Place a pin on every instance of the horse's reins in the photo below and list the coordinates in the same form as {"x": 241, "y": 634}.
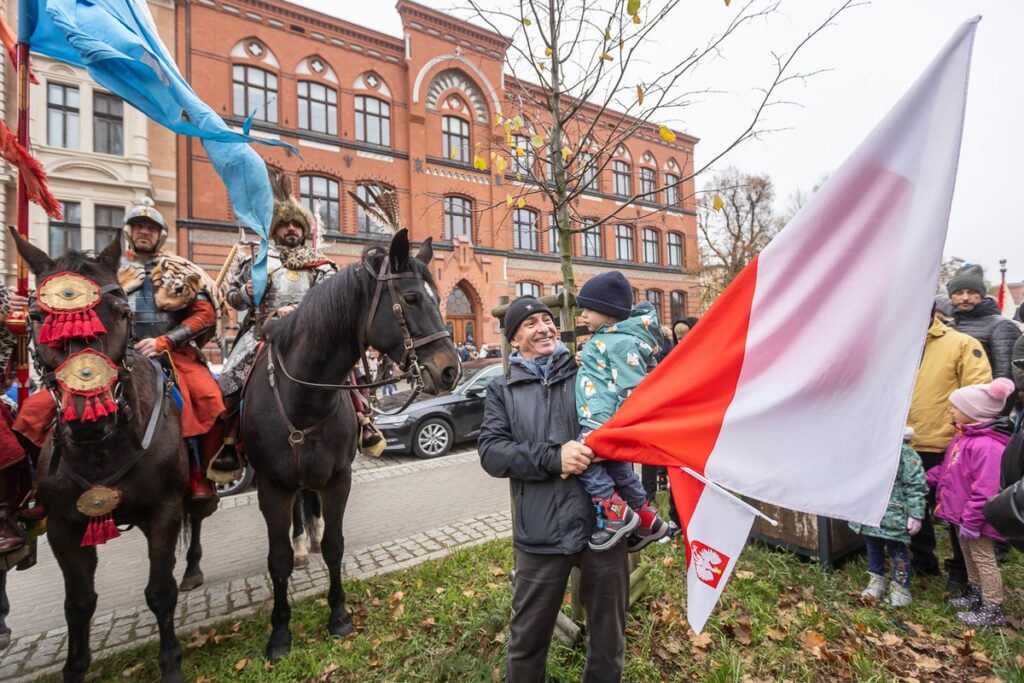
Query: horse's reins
{"x": 410, "y": 360}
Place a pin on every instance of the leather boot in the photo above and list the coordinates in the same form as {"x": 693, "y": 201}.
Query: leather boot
{"x": 11, "y": 538}
{"x": 228, "y": 457}
{"x": 201, "y": 489}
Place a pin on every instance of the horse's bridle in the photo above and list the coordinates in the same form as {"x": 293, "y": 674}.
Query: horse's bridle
{"x": 410, "y": 361}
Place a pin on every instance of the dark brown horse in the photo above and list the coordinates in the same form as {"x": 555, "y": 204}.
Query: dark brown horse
{"x": 299, "y": 427}
{"x": 136, "y": 449}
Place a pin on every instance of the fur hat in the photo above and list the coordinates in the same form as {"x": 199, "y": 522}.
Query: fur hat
{"x": 970, "y": 277}
{"x": 982, "y": 401}
{"x": 286, "y": 207}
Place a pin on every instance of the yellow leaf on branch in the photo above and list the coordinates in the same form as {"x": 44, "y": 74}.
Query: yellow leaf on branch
{"x": 521, "y": 203}
{"x": 717, "y": 203}
{"x": 639, "y": 94}
{"x": 537, "y": 140}
{"x": 508, "y": 201}
{"x": 632, "y": 6}
{"x": 517, "y": 122}
{"x": 499, "y": 165}
{"x": 606, "y": 57}
{"x": 727, "y": 2}
{"x": 541, "y": 65}
{"x": 566, "y": 153}
{"x": 520, "y": 151}
{"x": 636, "y": 18}
{"x": 454, "y": 152}
{"x": 519, "y": 176}
{"x": 547, "y": 52}
{"x": 527, "y": 21}
{"x": 498, "y": 119}
{"x": 480, "y": 163}
{"x": 666, "y": 134}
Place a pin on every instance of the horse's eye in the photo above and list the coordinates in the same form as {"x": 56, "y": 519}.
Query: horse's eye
{"x": 412, "y": 299}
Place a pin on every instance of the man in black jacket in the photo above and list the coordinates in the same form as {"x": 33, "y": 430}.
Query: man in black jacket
{"x": 528, "y": 436}
{"x": 978, "y": 315}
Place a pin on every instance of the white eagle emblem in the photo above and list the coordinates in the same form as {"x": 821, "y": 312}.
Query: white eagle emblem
{"x": 708, "y": 564}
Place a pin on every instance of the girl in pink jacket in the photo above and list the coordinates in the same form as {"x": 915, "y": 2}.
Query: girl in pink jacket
{"x": 967, "y": 478}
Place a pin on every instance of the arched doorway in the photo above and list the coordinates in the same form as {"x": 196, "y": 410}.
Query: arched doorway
{"x": 460, "y": 316}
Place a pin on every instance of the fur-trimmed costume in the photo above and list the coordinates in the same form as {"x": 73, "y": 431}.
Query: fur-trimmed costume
{"x": 291, "y": 273}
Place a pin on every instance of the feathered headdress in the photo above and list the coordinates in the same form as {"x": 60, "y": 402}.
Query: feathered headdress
{"x": 381, "y": 207}
{"x": 286, "y": 207}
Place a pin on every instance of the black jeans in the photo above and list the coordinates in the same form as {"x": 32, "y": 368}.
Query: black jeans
{"x": 540, "y": 587}
{"x": 922, "y": 544}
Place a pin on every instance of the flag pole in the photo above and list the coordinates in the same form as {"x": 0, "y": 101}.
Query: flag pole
{"x": 1002, "y": 284}
{"x": 18, "y": 319}
{"x": 743, "y": 504}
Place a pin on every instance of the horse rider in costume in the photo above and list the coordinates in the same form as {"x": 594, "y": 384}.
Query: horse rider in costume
{"x": 293, "y": 268}
{"x": 175, "y": 311}
{"x": 15, "y": 468}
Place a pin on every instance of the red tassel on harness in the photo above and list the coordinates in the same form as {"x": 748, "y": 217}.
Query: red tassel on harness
{"x": 96, "y": 324}
{"x": 110, "y": 405}
{"x": 88, "y": 415}
{"x": 77, "y": 328}
{"x": 69, "y": 410}
{"x": 110, "y": 531}
{"x": 91, "y": 532}
{"x": 98, "y": 408}
{"x": 46, "y": 331}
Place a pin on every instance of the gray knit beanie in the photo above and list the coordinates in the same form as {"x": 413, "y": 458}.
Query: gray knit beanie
{"x": 970, "y": 277}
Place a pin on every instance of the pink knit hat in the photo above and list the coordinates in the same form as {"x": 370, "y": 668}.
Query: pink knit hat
{"x": 983, "y": 401}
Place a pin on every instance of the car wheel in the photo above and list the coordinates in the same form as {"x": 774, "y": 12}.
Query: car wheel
{"x": 238, "y": 485}
{"x": 432, "y": 439}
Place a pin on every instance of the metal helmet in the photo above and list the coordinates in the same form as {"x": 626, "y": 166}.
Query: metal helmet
{"x": 145, "y": 211}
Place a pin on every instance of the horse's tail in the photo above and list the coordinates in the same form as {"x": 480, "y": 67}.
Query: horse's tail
{"x": 307, "y": 511}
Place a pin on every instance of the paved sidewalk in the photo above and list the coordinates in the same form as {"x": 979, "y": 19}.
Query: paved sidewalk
{"x": 401, "y": 512}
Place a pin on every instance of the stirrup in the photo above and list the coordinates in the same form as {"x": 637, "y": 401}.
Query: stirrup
{"x": 368, "y": 445}
{"x": 225, "y": 476}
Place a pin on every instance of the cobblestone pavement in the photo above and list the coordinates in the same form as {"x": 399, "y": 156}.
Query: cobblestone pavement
{"x": 400, "y": 513}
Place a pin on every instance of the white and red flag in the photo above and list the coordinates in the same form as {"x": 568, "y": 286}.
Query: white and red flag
{"x": 795, "y": 387}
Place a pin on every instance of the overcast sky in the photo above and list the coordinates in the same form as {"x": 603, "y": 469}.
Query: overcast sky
{"x": 873, "y": 53}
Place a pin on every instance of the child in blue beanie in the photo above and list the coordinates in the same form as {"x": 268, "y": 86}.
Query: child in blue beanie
{"x": 618, "y": 356}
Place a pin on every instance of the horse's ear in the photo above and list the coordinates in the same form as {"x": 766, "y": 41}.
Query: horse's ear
{"x": 399, "y": 251}
{"x": 111, "y": 255}
{"x": 38, "y": 261}
{"x": 426, "y": 251}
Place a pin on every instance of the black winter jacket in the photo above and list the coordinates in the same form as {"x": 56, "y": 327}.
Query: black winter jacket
{"x": 526, "y": 421}
{"x": 996, "y": 334}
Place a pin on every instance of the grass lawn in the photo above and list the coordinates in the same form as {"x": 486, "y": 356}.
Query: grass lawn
{"x": 781, "y": 618}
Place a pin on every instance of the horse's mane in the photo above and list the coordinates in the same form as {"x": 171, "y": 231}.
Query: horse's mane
{"x": 328, "y": 307}
{"x": 82, "y": 262}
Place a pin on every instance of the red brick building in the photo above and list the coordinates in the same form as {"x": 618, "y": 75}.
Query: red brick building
{"x": 367, "y": 108}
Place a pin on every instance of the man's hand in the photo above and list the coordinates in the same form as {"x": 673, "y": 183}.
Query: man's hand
{"x": 17, "y": 301}
{"x": 283, "y": 311}
{"x": 248, "y": 289}
{"x": 575, "y": 458}
{"x": 147, "y": 347}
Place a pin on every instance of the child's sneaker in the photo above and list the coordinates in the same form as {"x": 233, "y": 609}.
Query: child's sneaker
{"x": 969, "y": 602}
{"x": 614, "y": 520}
{"x": 876, "y": 587}
{"x": 987, "y": 614}
{"x": 651, "y": 528}
{"x": 899, "y": 596}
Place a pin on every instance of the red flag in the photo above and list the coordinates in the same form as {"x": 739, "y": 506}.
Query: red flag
{"x": 30, "y": 170}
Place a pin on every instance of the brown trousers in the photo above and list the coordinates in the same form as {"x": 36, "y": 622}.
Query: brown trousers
{"x": 982, "y": 569}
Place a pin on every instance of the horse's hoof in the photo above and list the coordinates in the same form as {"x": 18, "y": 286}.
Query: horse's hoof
{"x": 274, "y": 653}
{"x": 173, "y": 677}
{"x": 191, "y": 582}
{"x": 341, "y": 630}
{"x": 314, "y": 547}
{"x": 301, "y": 561}
{"x": 5, "y": 640}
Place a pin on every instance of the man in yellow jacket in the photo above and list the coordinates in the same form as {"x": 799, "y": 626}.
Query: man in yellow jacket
{"x": 950, "y": 360}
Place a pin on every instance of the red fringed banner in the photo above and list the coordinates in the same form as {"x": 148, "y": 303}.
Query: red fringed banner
{"x": 30, "y": 170}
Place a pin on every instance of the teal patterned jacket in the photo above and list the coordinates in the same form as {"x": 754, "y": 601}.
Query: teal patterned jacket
{"x": 907, "y": 500}
{"x": 613, "y": 363}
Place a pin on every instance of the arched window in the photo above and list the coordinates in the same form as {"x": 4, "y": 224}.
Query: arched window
{"x": 675, "y": 249}
{"x": 620, "y": 173}
{"x": 458, "y": 217}
{"x": 314, "y": 189}
{"x": 373, "y": 121}
{"x": 590, "y": 239}
{"x": 254, "y": 92}
{"x": 458, "y": 303}
{"x": 527, "y": 289}
{"x": 318, "y": 108}
{"x": 677, "y": 305}
{"x": 367, "y": 224}
{"x": 654, "y": 298}
{"x": 455, "y": 138}
{"x": 523, "y": 156}
{"x": 624, "y": 242}
{"x": 648, "y": 184}
{"x": 524, "y": 229}
{"x": 652, "y": 246}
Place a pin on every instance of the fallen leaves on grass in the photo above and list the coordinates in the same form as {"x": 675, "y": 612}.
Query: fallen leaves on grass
{"x": 241, "y": 664}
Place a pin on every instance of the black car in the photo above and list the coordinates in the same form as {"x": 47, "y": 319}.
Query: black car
{"x": 431, "y": 425}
